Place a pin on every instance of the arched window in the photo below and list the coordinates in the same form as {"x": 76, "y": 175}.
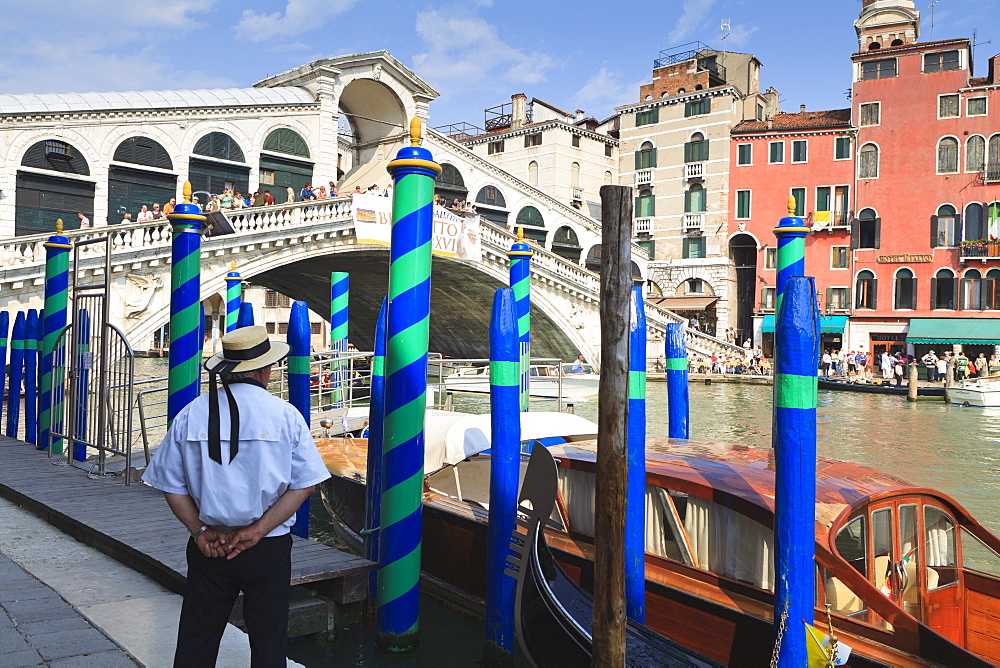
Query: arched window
{"x": 947, "y": 155}
{"x": 975, "y": 154}
{"x": 944, "y": 227}
{"x": 574, "y": 175}
{"x": 533, "y": 173}
{"x": 143, "y": 151}
{"x": 491, "y": 196}
{"x": 219, "y": 145}
{"x": 696, "y": 149}
{"x": 608, "y": 178}
{"x": 896, "y": 42}
{"x": 694, "y": 199}
{"x": 993, "y": 157}
{"x": 906, "y": 290}
{"x": 645, "y": 204}
{"x": 681, "y": 91}
{"x": 972, "y": 291}
{"x": 868, "y": 162}
{"x": 991, "y": 289}
{"x": 529, "y": 215}
{"x": 43, "y": 196}
{"x": 57, "y": 156}
{"x": 285, "y": 140}
{"x": 645, "y": 157}
{"x": 566, "y": 244}
{"x": 450, "y": 185}
{"x": 866, "y": 289}
{"x": 974, "y": 228}
{"x": 866, "y": 232}
{"x": 944, "y": 290}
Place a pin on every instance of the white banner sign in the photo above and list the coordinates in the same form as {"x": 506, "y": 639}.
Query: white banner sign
{"x": 453, "y": 235}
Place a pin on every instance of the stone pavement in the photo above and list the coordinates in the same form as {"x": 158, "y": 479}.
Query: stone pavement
{"x": 38, "y": 627}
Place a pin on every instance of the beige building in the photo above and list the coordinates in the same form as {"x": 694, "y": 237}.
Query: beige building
{"x": 674, "y": 147}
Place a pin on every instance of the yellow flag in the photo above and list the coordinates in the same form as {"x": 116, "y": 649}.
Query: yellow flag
{"x": 818, "y": 649}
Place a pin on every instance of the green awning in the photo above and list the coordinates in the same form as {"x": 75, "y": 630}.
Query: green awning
{"x": 828, "y": 324}
{"x": 973, "y": 331}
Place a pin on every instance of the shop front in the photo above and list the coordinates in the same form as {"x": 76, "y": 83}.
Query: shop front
{"x": 831, "y": 331}
{"x": 973, "y": 336}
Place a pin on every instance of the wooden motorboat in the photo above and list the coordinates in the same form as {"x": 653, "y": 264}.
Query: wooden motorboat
{"x": 553, "y": 615}
{"x": 982, "y": 392}
{"x": 877, "y": 388}
{"x": 911, "y": 577}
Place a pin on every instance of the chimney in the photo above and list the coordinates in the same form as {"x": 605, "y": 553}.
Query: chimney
{"x": 802, "y": 108}
{"x": 994, "y": 70}
{"x": 579, "y": 114}
{"x": 519, "y": 110}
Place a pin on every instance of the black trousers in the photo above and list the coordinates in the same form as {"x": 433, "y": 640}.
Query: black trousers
{"x": 263, "y": 574}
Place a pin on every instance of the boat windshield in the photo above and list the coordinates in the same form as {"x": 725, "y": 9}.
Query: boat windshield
{"x": 976, "y": 556}
{"x": 578, "y": 368}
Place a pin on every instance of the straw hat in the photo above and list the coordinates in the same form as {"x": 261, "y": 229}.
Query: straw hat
{"x": 247, "y": 349}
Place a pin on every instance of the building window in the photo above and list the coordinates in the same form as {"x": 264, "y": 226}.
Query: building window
{"x": 534, "y": 139}
{"x": 865, "y": 290}
{"x": 822, "y": 202}
{"x": 494, "y": 147}
{"x": 694, "y": 199}
{"x": 842, "y": 148}
{"x": 991, "y": 289}
{"x": 971, "y": 296}
{"x": 767, "y": 299}
{"x": 760, "y": 112}
{"x": 645, "y": 204}
{"x": 878, "y": 69}
{"x": 944, "y": 61}
{"x": 948, "y": 106}
{"x": 770, "y": 258}
{"x": 906, "y": 291}
{"x": 866, "y": 230}
{"x": 698, "y": 107}
{"x": 947, "y": 156}
{"x": 274, "y": 299}
{"x": 695, "y": 285}
{"x": 976, "y": 106}
{"x": 530, "y": 216}
{"x": 871, "y": 113}
{"x": 839, "y": 257}
{"x": 800, "y": 150}
{"x": 267, "y": 177}
{"x": 696, "y": 150}
{"x": 315, "y": 327}
{"x": 944, "y": 289}
{"x": 282, "y": 328}
{"x": 868, "y": 162}
{"x": 574, "y": 175}
{"x": 743, "y": 204}
{"x": 608, "y": 178}
{"x": 607, "y": 150}
{"x": 993, "y": 159}
{"x": 647, "y": 117}
{"x": 973, "y": 228}
{"x": 490, "y": 196}
{"x": 744, "y": 154}
{"x": 800, "y": 201}
{"x": 776, "y": 152}
{"x": 975, "y": 154}
{"x": 693, "y": 247}
{"x": 944, "y": 227}
{"x": 838, "y": 298}
{"x": 271, "y": 327}
{"x": 57, "y": 148}
{"x": 645, "y": 157}
{"x": 576, "y": 141}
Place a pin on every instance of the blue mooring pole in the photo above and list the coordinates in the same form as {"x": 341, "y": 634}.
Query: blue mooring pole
{"x": 635, "y": 506}
{"x": 794, "y": 440}
{"x": 39, "y": 371}
{"x": 520, "y": 282}
{"x": 505, "y": 450}
{"x": 31, "y": 377}
{"x": 298, "y": 386}
{"x": 82, "y": 383}
{"x": 373, "y": 472}
{"x": 4, "y": 332}
{"x": 245, "y": 318}
{"x": 15, "y": 375}
{"x": 678, "y": 409}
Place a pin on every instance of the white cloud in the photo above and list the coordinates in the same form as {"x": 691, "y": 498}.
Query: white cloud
{"x": 739, "y": 36}
{"x": 462, "y": 50}
{"x": 607, "y": 87}
{"x": 300, "y": 16}
{"x": 695, "y": 12}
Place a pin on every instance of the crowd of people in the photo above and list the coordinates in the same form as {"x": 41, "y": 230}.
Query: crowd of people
{"x": 888, "y": 366}
{"x": 752, "y": 363}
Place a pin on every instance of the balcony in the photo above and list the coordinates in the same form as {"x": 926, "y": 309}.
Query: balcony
{"x": 694, "y": 170}
{"x": 642, "y": 226}
{"x": 980, "y": 251}
{"x": 577, "y": 194}
{"x": 693, "y": 222}
{"x": 991, "y": 174}
{"x": 643, "y": 177}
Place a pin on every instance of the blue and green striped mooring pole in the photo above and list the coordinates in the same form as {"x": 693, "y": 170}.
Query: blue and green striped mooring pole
{"x": 520, "y": 282}
{"x": 505, "y": 453}
{"x": 4, "y": 341}
{"x": 234, "y": 296}
{"x": 339, "y": 300}
{"x": 298, "y": 386}
{"x": 635, "y": 505}
{"x": 184, "y": 376}
{"x": 791, "y": 233}
{"x": 56, "y": 318}
{"x": 245, "y": 317}
{"x": 678, "y": 408}
{"x": 373, "y": 471}
{"x": 31, "y": 377}
{"x": 82, "y": 327}
{"x": 407, "y": 337}
{"x": 15, "y": 375}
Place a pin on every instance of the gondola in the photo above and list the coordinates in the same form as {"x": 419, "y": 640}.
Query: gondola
{"x": 873, "y": 388}
{"x": 552, "y": 614}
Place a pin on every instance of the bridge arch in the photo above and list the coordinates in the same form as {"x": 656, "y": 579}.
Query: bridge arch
{"x": 375, "y": 112}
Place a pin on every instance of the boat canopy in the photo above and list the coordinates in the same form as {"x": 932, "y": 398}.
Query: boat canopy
{"x": 972, "y": 331}
{"x": 451, "y": 437}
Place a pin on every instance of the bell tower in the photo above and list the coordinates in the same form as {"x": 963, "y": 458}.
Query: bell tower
{"x": 886, "y": 23}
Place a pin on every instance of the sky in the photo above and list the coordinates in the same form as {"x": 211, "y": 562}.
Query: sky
{"x": 575, "y": 55}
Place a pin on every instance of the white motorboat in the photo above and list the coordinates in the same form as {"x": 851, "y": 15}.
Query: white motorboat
{"x": 577, "y": 380}
{"x": 984, "y": 392}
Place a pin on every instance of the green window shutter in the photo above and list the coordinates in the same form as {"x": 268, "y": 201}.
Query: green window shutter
{"x": 704, "y": 151}
{"x": 823, "y": 199}
{"x": 687, "y": 201}
{"x": 688, "y": 151}
{"x": 847, "y": 299}
{"x": 652, "y": 158}
{"x": 638, "y": 159}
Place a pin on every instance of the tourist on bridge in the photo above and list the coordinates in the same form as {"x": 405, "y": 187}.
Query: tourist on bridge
{"x": 291, "y": 196}
{"x": 84, "y": 221}
{"x": 357, "y": 191}
{"x": 145, "y": 215}
{"x": 268, "y": 199}
{"x": 236, "y": 489}
{"x": 307, "y": 193}
{"x": 238, "y": 201}
{"x": 320, "y": 192}
{"x": 169, "y": 206}
{"x": 226, "y": 201}
{"x": 157, "y": 214}
{"x": 332, "y": 190}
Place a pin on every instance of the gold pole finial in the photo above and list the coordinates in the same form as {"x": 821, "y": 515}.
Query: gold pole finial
{"x": 520, "y": 235}
{"x": 416, "y": 131}
{"x": 59, "y": 225}
{"x": 792, "y": 205}
{"x": 232, "y": 266}
{"x": 187, "y": 192}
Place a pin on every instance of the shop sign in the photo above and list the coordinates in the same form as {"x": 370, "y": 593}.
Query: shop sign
{"x": 888, "y": 337}
{"x": 906, "y": 257}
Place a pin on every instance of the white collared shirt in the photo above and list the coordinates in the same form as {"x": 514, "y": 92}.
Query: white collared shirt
{"x": 276, "y": 453}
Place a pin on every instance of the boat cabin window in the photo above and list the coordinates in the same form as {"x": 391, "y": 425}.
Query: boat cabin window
{"x": 940, "y": 534}
{"x": 977, "y": 556}
{"x": 909, "y": 548}
{"x": 852, "y": 546}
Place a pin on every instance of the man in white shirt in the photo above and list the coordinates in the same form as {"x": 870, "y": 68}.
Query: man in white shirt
{"x": 236, "y": 489}
{"x": 84, "y": 221}
{"x": 145, "y": 215}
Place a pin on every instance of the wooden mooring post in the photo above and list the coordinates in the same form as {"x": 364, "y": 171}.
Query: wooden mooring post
{"x": 911, "y": 390}
{"x": 612, "y": 465}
